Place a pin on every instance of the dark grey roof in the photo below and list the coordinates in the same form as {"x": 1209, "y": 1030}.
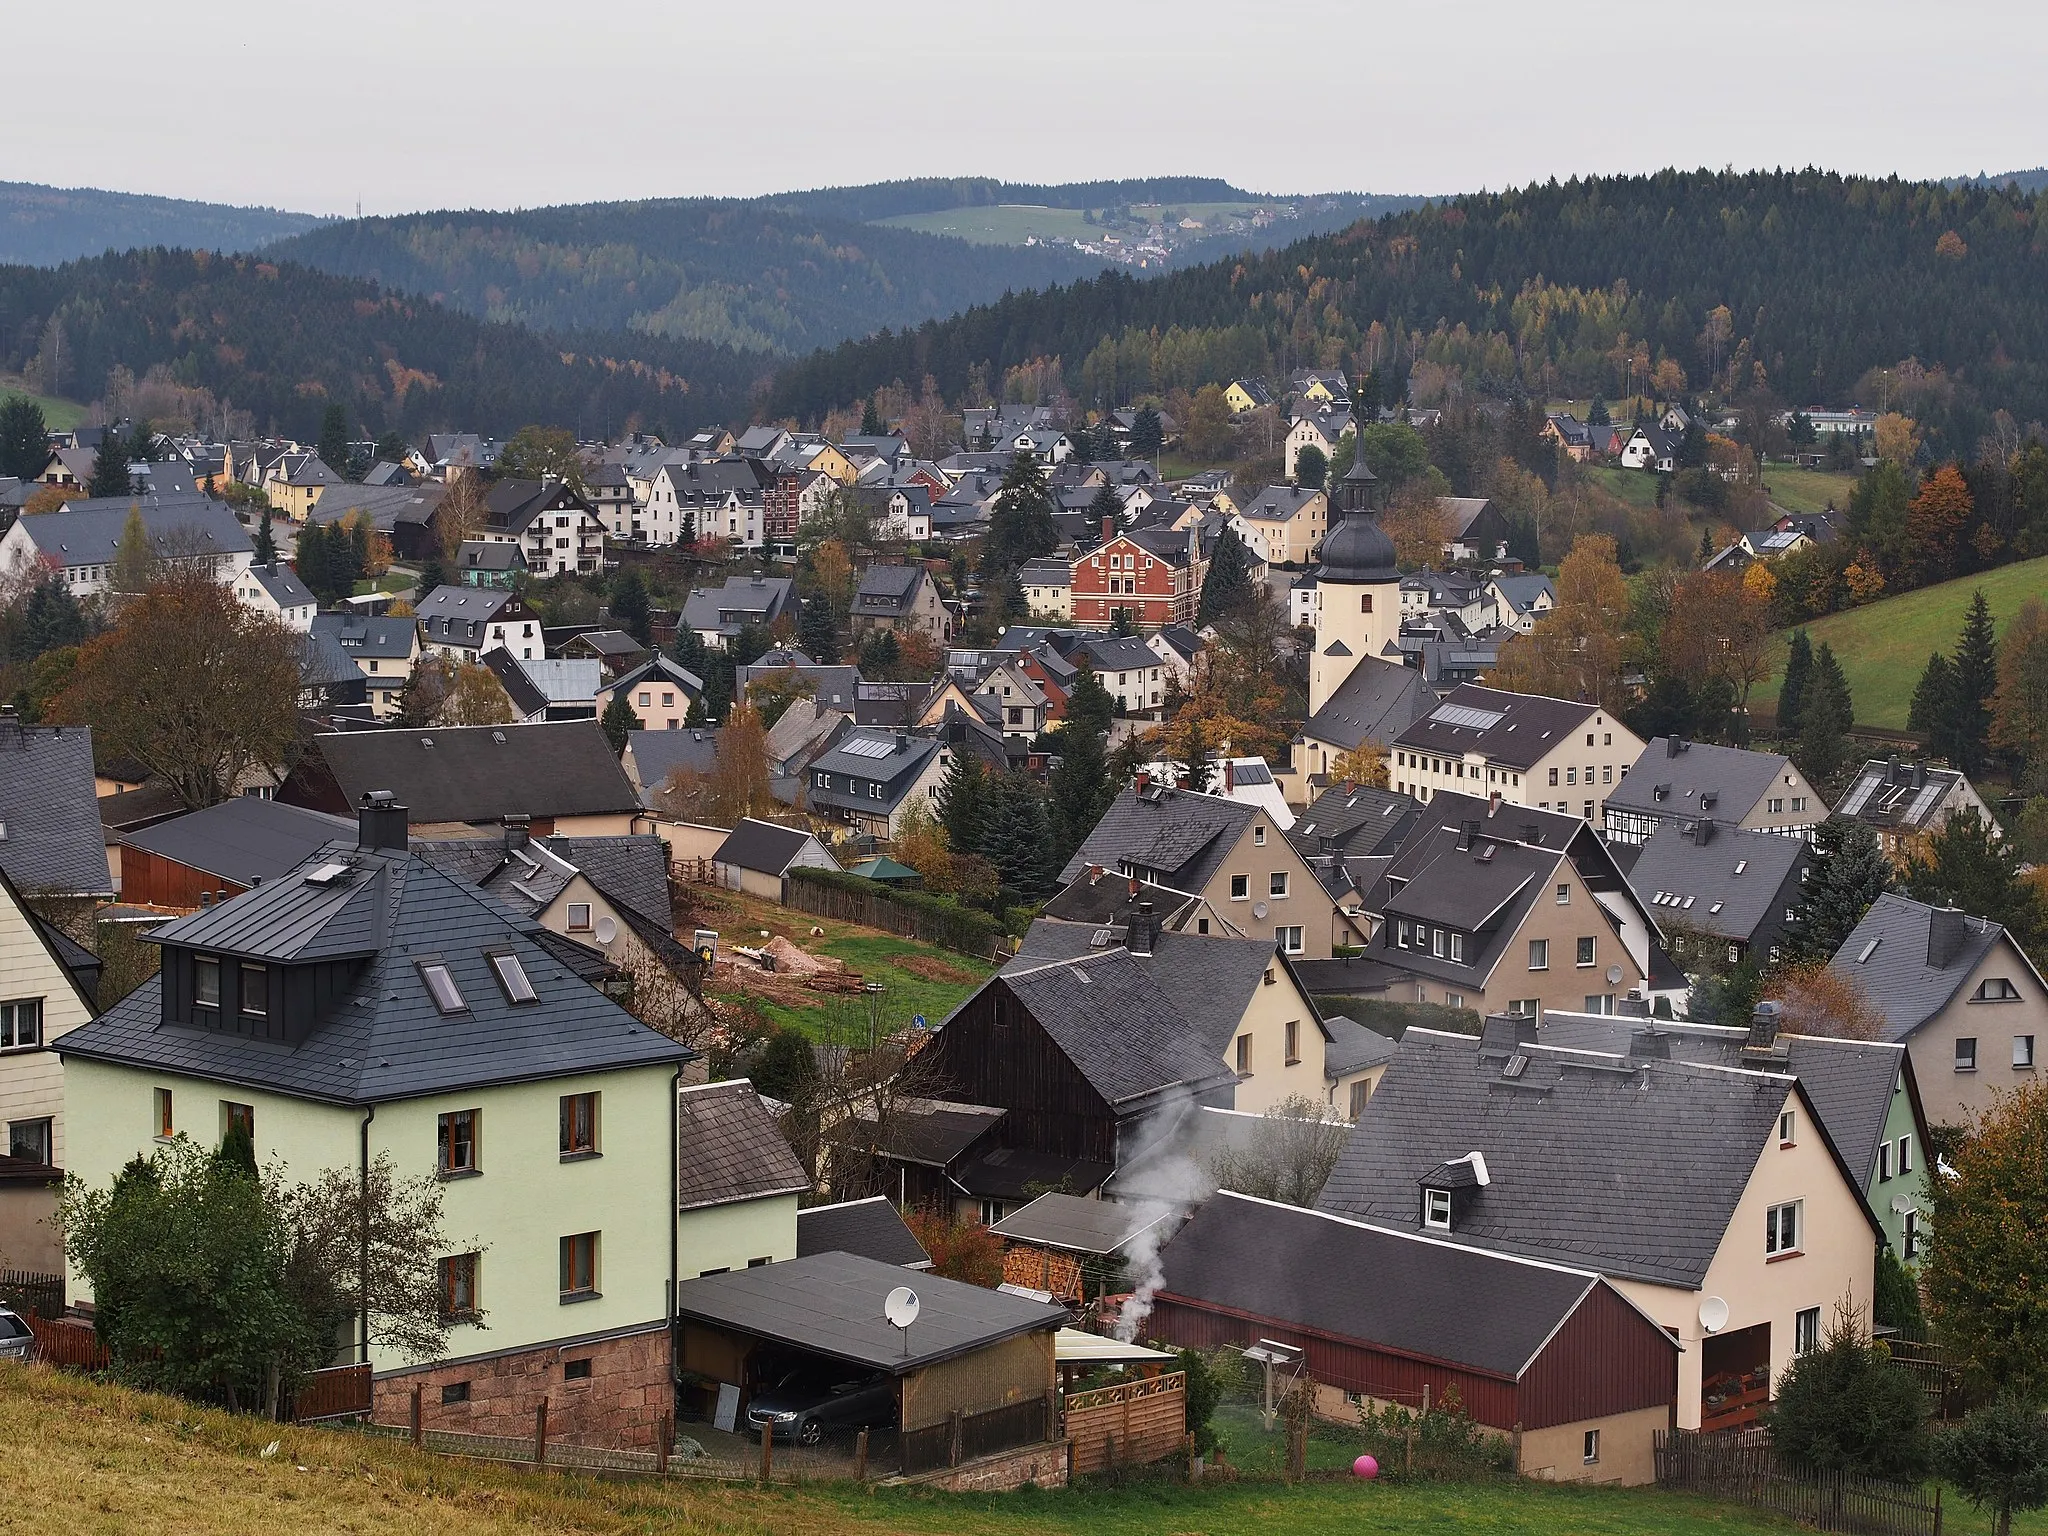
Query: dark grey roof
{"x": 1890, "y": 793}
{"x": 1728, "y": 885}
{"x": 1439, "y": 1300}
{"x": 872, "y": 1228}
{"x": 88, "y": 531}
{"x": 282, "y": 583}
{"x": 1210, "y": 978}
{"x": 483, "y": 772}
{"x": 631, "y": 870}
{"x": 1175, "y": 837}
{"x": 934, "y": 1132}
{"x": 1352, "y": 1047}
{"x": 762, "y": 846}
{"x": 1110, "y": 1017}
{"x": 657, "y": 754}
{"x": 51, "y": 836}
{"x": 871, "y": 756}
{"x": 1664, "y": 782}
{"x": 1633, "y": 1170}
{"x": 1523, "y": 727}
{"x": 1354, "y": 821}
{"x": 729, "y": 1148}
{"x": 528, "y": 699}
{"x": 1355, "y": 548}
{"x": 1523, "y": 591}
{"x": 831, "y": 1304}
{"x": 1376, "y": 702}
{"x": 383, "y": 1039}
{"x": 1910, "y": 959}
{"x": 1097, "y": 1227}
{"x": 244, "y": 840}
{"x": 385, "y": 639}
{"x": 657, "y": 668}
{"x": 462, "y": 605}
{"x": 888, "y": 590}
{"x": 1849, "y": 1081}
{"x": 758, "y": 599}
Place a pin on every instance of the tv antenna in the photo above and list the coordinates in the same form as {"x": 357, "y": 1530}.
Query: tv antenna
{"x": 900, "y": 1308}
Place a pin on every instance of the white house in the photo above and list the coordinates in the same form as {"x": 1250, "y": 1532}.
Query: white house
{"x": 80, "y": 540}
{"x": 275, "y": 591}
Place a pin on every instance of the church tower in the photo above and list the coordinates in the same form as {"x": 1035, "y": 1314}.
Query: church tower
{"x": 1358, "y": 589}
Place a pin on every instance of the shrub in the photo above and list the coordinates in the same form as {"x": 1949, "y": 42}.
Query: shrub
{"x": 1844, "y": 1407}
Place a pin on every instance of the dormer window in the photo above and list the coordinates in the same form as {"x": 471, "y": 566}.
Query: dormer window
{"x": 205, "y": 981}
{"x": 1436, "y": 1209}
{"x": 441, "y": 987}
{"x": 254, "y": 1001}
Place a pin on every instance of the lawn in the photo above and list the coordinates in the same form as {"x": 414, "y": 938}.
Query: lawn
{"x": 1883, "y": 647}
{"x": 1808, "y": 490}
{"x": 58, "y": 415}
{"x": 1633, "y": 486}
{"x": 918, "y": 980}
{"x": 394, "y": 580}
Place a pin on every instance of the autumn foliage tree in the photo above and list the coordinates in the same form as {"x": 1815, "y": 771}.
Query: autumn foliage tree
{"x": 1935, "y": 521}
{"x": 1416, "y": 521}
{"x": 2019, "y": 704}
{"x": 1575, "y": 650}
{"x": 960, "y": 1250}
{"x": 1719, "y": 628}
{"x": 197, "y": 688}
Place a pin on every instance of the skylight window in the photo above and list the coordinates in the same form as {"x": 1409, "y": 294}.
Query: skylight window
{"x": 441, "y": 987}
{"x": 1741, "y": 865}
{"x": 512, "y": 977}
{"x": 1868, "y": 950}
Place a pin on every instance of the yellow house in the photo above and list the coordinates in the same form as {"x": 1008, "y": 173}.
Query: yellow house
{"x": 42, "y": 999}
{"x": 827, "y": 459}
{"x": 370, "y": 1006}
{"x": 296, "y": 482}
{"x": 1710, "y": 1196}
{"x": 1243, "y": 395}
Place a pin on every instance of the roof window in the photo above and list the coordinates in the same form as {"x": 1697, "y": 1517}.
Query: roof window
{"x": 441, "y": 987}
{"x": 512, "y": 977}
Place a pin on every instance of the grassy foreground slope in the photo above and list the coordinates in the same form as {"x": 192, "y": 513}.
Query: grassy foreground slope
{"x": 1884, "y": 646}
{"x": 90, "y": 1459}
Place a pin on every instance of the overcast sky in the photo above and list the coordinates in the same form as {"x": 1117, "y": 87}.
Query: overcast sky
{"x": 410, "y": 104}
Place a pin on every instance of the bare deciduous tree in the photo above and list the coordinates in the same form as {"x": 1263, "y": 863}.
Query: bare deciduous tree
{"x": 1290, "y": 1154}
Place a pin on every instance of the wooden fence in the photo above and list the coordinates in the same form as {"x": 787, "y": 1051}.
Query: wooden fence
{"x": 339, "y": 1392}
{"x": 61, "y": 1342}
{"x": 1741, "y": 1465}
{"x": 26, "y": 1291}
{"x": 1128, "y": 1425}
{"x": 969, "y": 1436}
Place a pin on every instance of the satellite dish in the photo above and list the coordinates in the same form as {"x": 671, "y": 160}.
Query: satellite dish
{"x": 1613, "y": 971}
{"x": 901, "y": 1307}
{"x": 1713, "y": 1314}
{"x": 1259, "y": 909}
{"x": 607, "y": 929}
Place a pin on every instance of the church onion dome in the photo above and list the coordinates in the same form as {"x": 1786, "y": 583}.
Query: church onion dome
{"x": 1356, "y": 550}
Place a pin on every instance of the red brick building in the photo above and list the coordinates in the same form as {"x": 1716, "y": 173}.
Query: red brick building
{"x": 1152, "y": 575}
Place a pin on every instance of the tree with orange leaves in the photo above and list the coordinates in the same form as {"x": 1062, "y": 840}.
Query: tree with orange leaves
{"x": 1934, "y": 524}
{"x": 1575, "y": 650}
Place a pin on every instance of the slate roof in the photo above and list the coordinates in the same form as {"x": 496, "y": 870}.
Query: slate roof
{"x": 1440, "y": 1300}
{"x": 51, "y": 836}
{"x": 658, "y": 669}
{"x": 282, "y": 583}
{"x": 383, "y": 1039}
{"x": 1634, "y": 1170}
{"x": 887, "y": 591}
{"x": 1889, "y": 793}
{"x": 1729, "y": 886}
{"x": 529, "y": 700}
{"x": 1849, "y": 1081}
{"x": 1378, "y": 702}
{"x": 1353, "y": 1047}
{"x": 1353, "y": 821}
{"x": 657, "y": 754}
{"x": 1172, "y": 836}
{"x": 470, "y": 606}
{"x": 1097, "y": 1227}
{"x": 1522, "y": 591}
{"x": 761, "y": 846}
{"x": 872, "y": 1228}
{"x": 1529, "y": 725}
{"x": 1110, "y": 1017}
{"x": 88, "y": 531}
{"x": 728, "y": 1148}
{"x": 483, "y": 772}
{"x": 386, "y": 505}
{"x": 831, "y": 1304}
{"x": 759, "y": 599}
{"x": 935, "y": 1132}
{"x": 630, "y": 870}
{"x": 1665, "y": 782}
{"x": 859, "y": 756}
{"x": 1918, "y": 958}
{"x": 382, "y": 638}
{"x": 245, "y": 839}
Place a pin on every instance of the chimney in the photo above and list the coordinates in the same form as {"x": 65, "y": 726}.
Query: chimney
{"x": 1891, "y": 768}
{"x": 1143, "y": 781}
{"x": 1143, "y": 932}
{"x": 1673, "y": 745}
{"x": 1703, "y": 831}
{"x": 902, "y": 742}
{"x": 1493, "y": 805}
{"x": 380, "y": 822}
{"x": 1763, "y": 1027}
{"x": 1108, "y": 528}
{"x": 1229, "y": 775}
{"x": 517, "y": 833}
{"x": 1947, "y": 928}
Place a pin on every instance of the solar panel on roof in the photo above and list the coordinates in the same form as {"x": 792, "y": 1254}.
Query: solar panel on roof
{"x": 1925, "y": 801}
{"x": 1465, "y": 714}
{"x": 868, "y": 746}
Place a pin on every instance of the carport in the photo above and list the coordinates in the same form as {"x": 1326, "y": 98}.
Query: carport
{"x": 973, "y": 1374}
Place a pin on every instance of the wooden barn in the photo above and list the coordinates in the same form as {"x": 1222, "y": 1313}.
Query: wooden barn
{"x": 207, "y": 856}
{"x": 1556, "y": 1359}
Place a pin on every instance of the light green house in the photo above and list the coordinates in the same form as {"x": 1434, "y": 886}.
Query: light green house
{"x": 737, "y": 1182}
{"x": 366, "y": 1003}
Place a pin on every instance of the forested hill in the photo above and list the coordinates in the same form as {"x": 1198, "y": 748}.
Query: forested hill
{"x": 1800, "y": 282}
{"x": 42, "y": 226}
{"x": 280, "y": 341}
{"x": 761, "y": 274}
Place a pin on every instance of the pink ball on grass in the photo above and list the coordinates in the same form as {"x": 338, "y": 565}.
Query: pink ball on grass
{"x": 1367, "y": 1467}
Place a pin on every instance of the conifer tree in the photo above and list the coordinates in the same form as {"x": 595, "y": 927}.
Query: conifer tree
{"x": 1849, "y": 872}
{"x": 1792, "y": 694}
{"x": 870, "y": 419}
{"x": 1227, "y": 588}
{"x": 266, "y": 539}
{"x": 1935, "y": 707}
{"x": 1826, "y": 713}
{"x": 961, "y": 803}
{"x": 619, "y": 721}
{"x": 334, "y": 438}
{"x": 818, "y": 634}
{"x": 135, "y": 561}
{"x": 1081, "y": 790}
{"x": 628, "y": 605}
{"x": 1022, "y": 526}
{"x": 1148, "y": 433}
{"x": 110, "y": 466}
{"x": 1976, "y": 681}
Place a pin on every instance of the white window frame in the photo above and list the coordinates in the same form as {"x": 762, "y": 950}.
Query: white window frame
{"x": 1436, "y": 1209}
{"x": 1782, "y": 1225}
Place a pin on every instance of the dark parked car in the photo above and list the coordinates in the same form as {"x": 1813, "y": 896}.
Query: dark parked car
{"x": 807, "y": 1406}
{"x": 16, "y": 1342}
